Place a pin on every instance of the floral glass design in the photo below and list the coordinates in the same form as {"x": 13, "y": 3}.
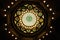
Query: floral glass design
{"x": 29, "y": 18}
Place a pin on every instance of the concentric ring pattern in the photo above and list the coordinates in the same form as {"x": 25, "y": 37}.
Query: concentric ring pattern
{"x": 29, "y": 18}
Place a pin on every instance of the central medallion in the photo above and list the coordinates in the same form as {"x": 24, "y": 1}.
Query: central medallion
{"x": 29, "y": 19}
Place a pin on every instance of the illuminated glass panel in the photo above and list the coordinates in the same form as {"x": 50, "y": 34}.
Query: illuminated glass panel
{"x": 29, "y": 18}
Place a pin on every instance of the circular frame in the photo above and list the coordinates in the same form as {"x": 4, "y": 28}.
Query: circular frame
{"x": 37, "y": 32}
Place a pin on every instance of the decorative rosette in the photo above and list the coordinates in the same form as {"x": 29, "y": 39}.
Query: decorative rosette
{"x": 29, "y": 18}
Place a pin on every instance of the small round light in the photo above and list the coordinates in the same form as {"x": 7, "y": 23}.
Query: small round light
{"x": 8, "y": 6}
{"x": 5, "y": 15}
{"x": 15, "y": 0}
{"x": 51, "y": 27}
{"x": 5, "y": 24}
{"x": 44, "y": 1}
{"x": 50, "y": 9}
{"x": 39, "y": 39}
{"x": 12, "y": 35}
{"x": 12, "y": 3}
{"x": 47, "y": 5}
{"x": 50, "y": 31}
{"x": 9, "y": 32}
{"x": 53, "y": 13}
{"x": 46, "y": 34}
{"x": 5, "y": 28}
{"x": 52, "y": 17}
{"x": 15, "y": 37}
{"x": 4, "y": 10}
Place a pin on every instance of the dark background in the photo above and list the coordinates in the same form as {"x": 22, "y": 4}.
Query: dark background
{"x": 53, "y": 36}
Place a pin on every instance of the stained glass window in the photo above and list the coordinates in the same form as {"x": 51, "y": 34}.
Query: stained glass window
{"x": 29, "y": 18}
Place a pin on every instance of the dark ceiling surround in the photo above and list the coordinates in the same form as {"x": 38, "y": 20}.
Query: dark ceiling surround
{"x": 54, "y": 36}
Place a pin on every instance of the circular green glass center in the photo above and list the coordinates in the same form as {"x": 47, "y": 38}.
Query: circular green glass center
{"x": 40, "y": 14}
{"x": 29, "y": 18}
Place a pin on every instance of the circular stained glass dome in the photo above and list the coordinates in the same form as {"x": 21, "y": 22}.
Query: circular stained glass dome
{"x": 28, "y": 18}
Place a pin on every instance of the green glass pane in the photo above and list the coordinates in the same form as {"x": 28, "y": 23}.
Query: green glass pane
{"x": 17, "y": 19}
{"x": 29, "y": 18}
{"x": 36, "y": 10}
{"x": 22, "y": 29}
{"x": 28, "y": 31}
{"x": 34, "y": 5}
{"x": 18, "y": 12}
{"x": 23, "y": 10}
{"x": 18, "y": 24}
{"x": 38, "y": 25}
{"x": 34, "y": 30}
{"x": 15, "y": 15}
{"x": 26, "y": 5}
{"x": 15, "y": 22}
{"x": 40, "y": 14}
{"x": 30, "y": 7}
{"x": 41, "y": 23}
